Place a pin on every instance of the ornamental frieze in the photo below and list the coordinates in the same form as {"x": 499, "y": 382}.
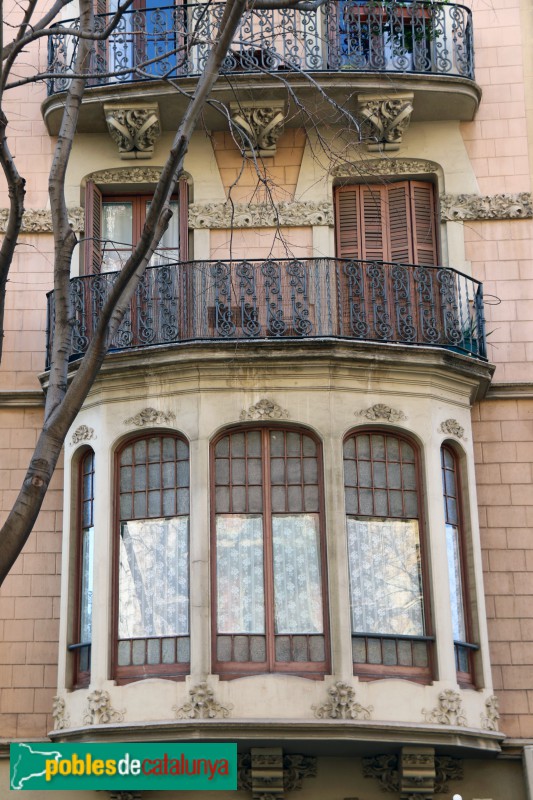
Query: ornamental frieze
{"x": 39, "y": 220}
{"x": 495, "y": 206}
{"x": 265, "y": 215}
{"x": 384, "y": 166}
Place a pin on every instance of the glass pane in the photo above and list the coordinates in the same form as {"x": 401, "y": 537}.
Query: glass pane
{"x": 393, "y": 449}
{"x": 183, "y": 473}
{"x": 182, "y": 450}
{"x": 409, "y": 476}
{"x": 456, "y": 583}
{"x": 310, "y": 470}
{"x": 295, "y": 500}
{"x": 309, "y": 446}
{"x": 277, "y": 443}
{"x": 374, "y": 651}
{"x": 317, "y": 651}
{"x": 154, "y": 449}
{"x": 222, "y": 471}
{"x": 139, "y": 452}
{"x": 299, "y": 648}
{"x": 154, "y": 578}
{"x": 363, "y": 447}
{"x": 240, "y": 582}
{"x": 154, "y": 476}
{"x": 293, "y": 444}
{"x": 138, "y": 652}
{"x": 311, "y": 498}
{"x": 380, "y": 475}
{"x": 117, "y": 234}
{"x": 153, "y": 656}
{"x": 283, "y": 648}
{"x": 125, "y": 506}
{"x": 139, "y": 504}
{"x": 297, "y": 574}
{"x": 378, "y": 446}
{"x": 126, "y": 456}
{"x": 238, "y": 500}
{"x": 169, "y": 448}
{"x": 238, "y": 471}
{"x": 385, "y": 576}
{"x": 255, "y": 499}
{"x": 183, "y": 650}
{"x": 126, "y": 475}
{"x": 124, "y": 658}
{"x": 358, "y": 650}
{"x": 169, "y": 474}
{"x": 254, "y": 471}
{"x": 349, "y": 448}
{"x": 140, "y": 477}
{"x": 222, "y": 447}
{"x": 241, "y": 649}
{"x": 86, "y": 589}
{"x": 277, "y": 470}
{"x": 237, "y": 445}
{"x": 389, "y": 652}
{"x": 257, "y": 648}
{"x": 294, "y": 470}
{"x": 254, "y": 444}
{"x": 168, "y": 650}
{"x": 279, "y": 500}
{"x": 224, "y": 648}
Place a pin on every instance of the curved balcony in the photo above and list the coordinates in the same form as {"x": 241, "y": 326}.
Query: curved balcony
{"x": 277, "y": 300}
{"x": 349, "y": 43}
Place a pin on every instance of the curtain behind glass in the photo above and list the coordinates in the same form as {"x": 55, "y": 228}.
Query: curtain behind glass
{"x": 154, "y": 578}
{"x": 456, "y": 583}
{"x": 240, "y": 579}
{"x": 87, "y": 572}
{"x": 170, "y": 240}
{"x": 385, "y": 576}
{"x": 117, "y": 234}
{"x": 297, "y": 582}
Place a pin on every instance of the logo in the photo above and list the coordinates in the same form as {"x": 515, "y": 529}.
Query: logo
{"x": 124, "y": 766}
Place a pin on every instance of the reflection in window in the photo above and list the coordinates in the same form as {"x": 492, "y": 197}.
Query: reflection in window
{"x": 384, "y": 555}
{"x": 86, "y": 569}
{"x": 450, "y": 488}
{"x": 153, "y": 579}
{"x": 269, "y": 584}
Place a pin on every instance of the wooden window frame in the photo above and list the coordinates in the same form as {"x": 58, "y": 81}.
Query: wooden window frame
{"x": 465, "y": 679}
{"x": 82, "y": 677}
{"x": 95, "y": 197}
{"x": 368, "y": 671}
{"x": 228, "y": 670}
{"x": 127, "y": 674}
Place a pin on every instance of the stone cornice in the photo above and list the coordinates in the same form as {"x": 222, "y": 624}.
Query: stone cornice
{"x": 453, "y": 208}
{"x": 22, "y": 399}
{"x": 510, "y": 391}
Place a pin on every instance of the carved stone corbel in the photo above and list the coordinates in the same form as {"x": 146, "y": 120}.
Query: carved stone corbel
{"x": 267, "y": 773}
{"x": 417, "y": 773}
{"x": 134, "y": 127}
{"x": 385, "y": 119}
{"x": 261, "y": 125}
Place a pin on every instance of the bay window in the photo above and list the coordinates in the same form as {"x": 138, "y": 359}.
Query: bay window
{"x": 152, "y": 559}
{"x": 389, "y": 612}
{"x": 269, "y": 586}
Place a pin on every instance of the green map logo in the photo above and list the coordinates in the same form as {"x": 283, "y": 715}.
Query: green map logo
{"x": 124, "y": 766}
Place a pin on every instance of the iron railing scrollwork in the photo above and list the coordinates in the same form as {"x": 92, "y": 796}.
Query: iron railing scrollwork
{"x": 277, "y": 299}
{"x": 343, "y": 35}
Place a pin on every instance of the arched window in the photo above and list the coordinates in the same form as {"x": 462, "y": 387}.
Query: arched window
{"x": 385, "y": 557}
{"x": 269, "y": 586}
{"x": 152, "y": 558}
{"x": 82, "y": 648}
{"x": 456, "y": 567}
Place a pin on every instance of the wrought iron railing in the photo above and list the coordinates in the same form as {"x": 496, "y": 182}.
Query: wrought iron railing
{"x": 299, "y": 299}
{"x": 343, "y": 35}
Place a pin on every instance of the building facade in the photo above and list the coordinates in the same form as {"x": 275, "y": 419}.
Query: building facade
{"x": 295, "y": 510}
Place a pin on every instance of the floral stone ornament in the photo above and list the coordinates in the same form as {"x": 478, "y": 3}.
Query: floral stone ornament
{"x": 342, "y": 704}
{"x": 59, "y": 714}
{"x": 449, "y": 710}
{"x": 202, "y": 705}
{"x": 99, "y": 710}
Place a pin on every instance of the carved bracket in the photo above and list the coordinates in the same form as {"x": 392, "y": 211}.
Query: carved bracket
{"x": 295, "y": 769}
{"x": 385, "y": 119}
{"x": 415, "y": 773}
{"x": 261, "y": 126}
{"x": 134, "y": 127}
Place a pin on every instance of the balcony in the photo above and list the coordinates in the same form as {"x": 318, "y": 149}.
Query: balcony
{"x": 346, "y": 45}
{"x": 222, "y": 302}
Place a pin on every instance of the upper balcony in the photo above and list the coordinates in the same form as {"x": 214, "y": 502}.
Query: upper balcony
{"x": 348, "y": 46}
{"x": 298, "y": 300}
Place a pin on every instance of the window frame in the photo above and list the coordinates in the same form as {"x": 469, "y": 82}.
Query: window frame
{"x": 229, "y": 670}
{"x": 81, "y": 678}
{"x": 371, "y": 671}
{"x": 96, "y": 196}
{"x": 465, "y": 679}
{"x": 127, "y": 674}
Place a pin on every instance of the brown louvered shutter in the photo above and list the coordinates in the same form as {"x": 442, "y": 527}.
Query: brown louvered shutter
{"x": 399, "y": 228}
{"x": 423, "y": 223}
{"x": 373, "y": 227}
{"x": 92, "y": 251}
{"x": 347, "y": 219}
{"x": 183, "y": 210}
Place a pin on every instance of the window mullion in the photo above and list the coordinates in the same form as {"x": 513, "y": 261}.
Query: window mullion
{"x": 268, "y": 554}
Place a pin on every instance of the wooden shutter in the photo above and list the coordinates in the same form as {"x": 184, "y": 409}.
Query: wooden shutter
{"x": 183, "y": 206}
{"x": 92, "y": 251}
{"x": 347, "y": 222}
{"x": 423, "y": 223}
{"x": 399, "y": 224}
{"x": 373, "y": 223}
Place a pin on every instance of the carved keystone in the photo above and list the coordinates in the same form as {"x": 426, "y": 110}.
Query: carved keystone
{"x": 134, "y": 127}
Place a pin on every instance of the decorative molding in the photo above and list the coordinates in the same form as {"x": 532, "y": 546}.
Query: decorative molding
{"x": 151, "y": 416}
{"x": 489, "y": 721}
{"x": 495, "y": 206}
{"x": 385, "y": 770}
{"x": 266, "y": 769}
{"x": 39, "y": 220}
{"x": 22, "y": 399}
{"x": 126, "y": 175}
{"x": 82, "y": 434}
{"x": 202, "y": 705}
{"x": 452, "y": 427}
{"x": 295, "y": 769}
{"x": 385, "y": 119}
{"x": 264, "y": 215}
{"x": 384, "y": 166}
{"x": 449, "y": 710}
{"x": 342, "y": 704}
{"x": 59, "y": 714}
{"x": 264, "y": 409}
{"x": 447, "y": 769}
{"x": 260, "y": 125}
{"x": 134, "y": 127}
{"x": 381, "y": 411}
{"x": 99, "y": 710}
